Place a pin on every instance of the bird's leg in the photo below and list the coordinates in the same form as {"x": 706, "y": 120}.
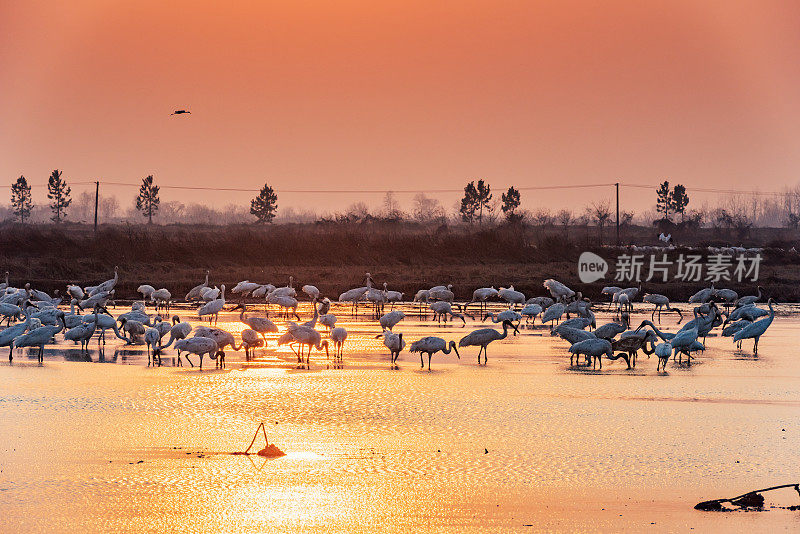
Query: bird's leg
{"x": 421, "y": 361}
{"x": 429, "y": 361}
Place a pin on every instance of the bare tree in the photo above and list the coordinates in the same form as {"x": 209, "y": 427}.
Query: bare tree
{"x": 601, "y": 213}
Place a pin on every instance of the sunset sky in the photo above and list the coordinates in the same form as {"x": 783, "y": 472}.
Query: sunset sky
{"x": 401, "y": 95}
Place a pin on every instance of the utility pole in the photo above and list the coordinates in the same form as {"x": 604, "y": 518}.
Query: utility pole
{"x": 617, "y": 186}
{"x": 97, "y": 200}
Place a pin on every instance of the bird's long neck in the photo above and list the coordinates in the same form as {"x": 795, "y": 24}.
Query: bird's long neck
{"x": 505, "y": 331}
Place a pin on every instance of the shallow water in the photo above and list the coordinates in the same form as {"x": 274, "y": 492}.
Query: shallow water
{"x": 119, "y": 446}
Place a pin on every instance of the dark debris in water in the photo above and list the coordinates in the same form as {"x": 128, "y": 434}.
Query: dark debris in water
{"x": 752, "y": 500}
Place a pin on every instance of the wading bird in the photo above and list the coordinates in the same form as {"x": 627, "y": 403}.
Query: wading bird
{"x": 483, "y": 336}
{"x": 431, "y": 345}
{"x": 660, "y": 301}
{"x": 757, "y": 329}
{"x": 338, "y": 335}
{"x": 393, "y": 342}
{"x": 196, "y": 292}
{"x": 212, "y": 308}
{"x": 593, "y": 349}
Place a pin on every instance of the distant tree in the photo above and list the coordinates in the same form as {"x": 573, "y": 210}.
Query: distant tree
{"x": 625, "y": 218}
{"x": 511, "y": 201}
{"x": 147, "y": 202}
{"x": 543, "y": 217}
{"x": 469, "y": 204}
{"x": 564, "y": 218}
{"x": 664, "y": 199}
{"x": 793, "y": 221}
{"x": 483, "y": 199}
{"x": 59, "y": 192}
{"x": 392, "y": 206}
{"x": 679, "y": 200}
{"x": 427, "y": 209}
{"x": 265, "y": 205}
{"x": 21, "y": 199}
{"x": 601, "y": 214}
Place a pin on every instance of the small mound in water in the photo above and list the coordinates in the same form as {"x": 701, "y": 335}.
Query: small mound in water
{"x": 271, "y": 451}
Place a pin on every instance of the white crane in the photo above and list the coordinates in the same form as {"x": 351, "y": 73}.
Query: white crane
{"x": 749, "y": 299}
{"x": 108, "y": 285}
{"x": 328, "y": 320}
{"x": 285, "y": 302}
{"x": 441, "y": 293}
{"x": 553, "y": 313}
{"x": 262, "y": 325}
{"x": 481, "y": 295}
{"x": 505, "y": 315}
{"x": 251, "y": 341}
{"x": 308, "y": 337}
{"x": 196, "y": 345}
{"x": 660, "y": 301}
{"x": 441, "y": 309}
{"x": 286, "y": 291}
{"x": 559, "y": 291}
{"x": 393, "y": 342}
{"x": 511, "y": 295}
{"x": 162, "y": 298}
{"x": 530, "y": 312}
{"x": 145, "y": 289}
{"x": 212, "y": 308}
{"x": 389, "y": 320}
{"x": 663, "y": 352}
{"x": 483, "y": 336}
{"x": 592, "y": 348}
{"x": 178, "y": 331}
{"x": 338, "y": 336}
{"x": 392, "y": 296}
{"x": 311, "y": 291}
{"x": 152, "y": 338}
{"x": 757, "y": 329}
{"x": 431, "y": 345}
{"x": 83, "y": 332}
{"x": 196, "y": 292}
{"x": 704, "y": 295}
{"x": 75, "y": 291}
{"x": 38, "y": 337}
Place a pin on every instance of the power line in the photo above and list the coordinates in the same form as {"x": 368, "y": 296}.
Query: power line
{"x": 413, "y": 191}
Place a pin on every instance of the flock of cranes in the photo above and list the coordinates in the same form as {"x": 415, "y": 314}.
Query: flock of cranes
{"x": 38, "y": 318}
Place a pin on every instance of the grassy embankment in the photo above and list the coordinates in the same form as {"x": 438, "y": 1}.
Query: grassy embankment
{"x": 335, "y": 256}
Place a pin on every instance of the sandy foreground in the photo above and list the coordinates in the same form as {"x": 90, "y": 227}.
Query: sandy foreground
{"x": 109, "y": 445}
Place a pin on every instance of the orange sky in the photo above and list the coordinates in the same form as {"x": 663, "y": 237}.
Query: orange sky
{"x": 401, "y": 95}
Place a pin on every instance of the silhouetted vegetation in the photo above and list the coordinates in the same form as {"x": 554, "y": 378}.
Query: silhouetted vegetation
{"x": 59, "y": 193}
{"x": 21, "y": 200}
{"x": 147, "y": 202}
{"x": 264, "y": 205}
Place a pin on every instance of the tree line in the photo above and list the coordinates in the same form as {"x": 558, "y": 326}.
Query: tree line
{"x": 264, "y": 206}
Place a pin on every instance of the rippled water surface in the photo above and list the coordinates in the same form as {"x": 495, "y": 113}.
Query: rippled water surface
{"x": 105, "y": 443}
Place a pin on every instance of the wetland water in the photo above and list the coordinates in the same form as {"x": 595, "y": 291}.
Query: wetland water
{"x": 106, "y": 443}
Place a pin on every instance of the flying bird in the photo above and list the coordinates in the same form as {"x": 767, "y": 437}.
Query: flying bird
{"x": 180, "y": 112}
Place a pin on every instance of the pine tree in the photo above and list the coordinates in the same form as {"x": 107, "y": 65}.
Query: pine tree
{"x": 482, "y": 199}
{"x": 21, "y": 199}
{"x": 664, "y": 199}
{"x": 59, "y": 192}
{"x": 469, "y": 204}
{"x": 265, "y": 205}
{"x": 511, "y": 201}
{"x": 147, "y": 202}
{"x": 679, "y": 200}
